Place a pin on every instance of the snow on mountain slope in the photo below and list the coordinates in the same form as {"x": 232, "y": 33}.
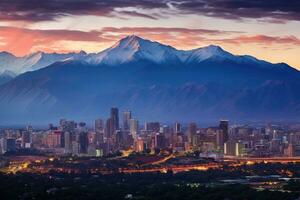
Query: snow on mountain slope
{"x": 134, "y": 48}
{"x": 211, "y": 51}
{"x": 33, "y": 61}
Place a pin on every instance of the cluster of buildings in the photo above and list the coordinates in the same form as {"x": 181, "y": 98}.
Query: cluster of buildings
{"x": 113, "y": 135}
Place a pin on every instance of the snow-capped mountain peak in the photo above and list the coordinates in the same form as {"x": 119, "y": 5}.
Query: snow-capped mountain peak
{"x": 134, "y": 48}
{"x": 211, "y": 51}
{"x": 129, "y": 42}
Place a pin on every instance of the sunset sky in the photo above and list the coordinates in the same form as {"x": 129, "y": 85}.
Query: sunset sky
{"x": 266, "y": 29}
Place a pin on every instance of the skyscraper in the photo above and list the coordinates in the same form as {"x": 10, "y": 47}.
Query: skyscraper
{"x": 83, "y": 142}
{"x": 192, "y": 131}
{"x": 99, "y": 130}
{"x": 134, "y": 125}
{"x": 108, "y": 128}
{"x": 177, "y": 127}
{"x": 114, "y": 116}
{"x": 220, "y": 139}
{"x": 224, "y": 127}
{"x": 126, "y": 120}
{"x": 68, "y": 142}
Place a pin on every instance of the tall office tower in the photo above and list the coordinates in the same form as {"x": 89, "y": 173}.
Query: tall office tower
{"x": 126, "y": 120}
{"x": 99, "y": 130}
{"x": 62, "y": 139}
{"x": 192, "y": 131}
{"x": 177, "y": 127}
{"x": 108, "y": 129}
{"x": 224, "y": 127}
{"x": 114, "y": 116}
{"x": 134, "y": 128}
{"x": 68, "y": 142}
{"x": 152, "y": 126}
{"x": 119, "y": 140}
{"x": 175, "y": 133}
{"x": 83, "y": 142}
{"x": 220, "y": 139}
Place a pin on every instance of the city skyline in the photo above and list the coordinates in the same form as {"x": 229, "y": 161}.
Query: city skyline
{"x": 106, "y": 137}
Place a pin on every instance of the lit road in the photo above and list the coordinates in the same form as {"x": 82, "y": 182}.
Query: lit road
{"x": 174, "y": 168}
{"x": 264, "y": 160}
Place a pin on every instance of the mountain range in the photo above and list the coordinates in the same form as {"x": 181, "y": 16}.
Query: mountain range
{"x": 155, "y": 81}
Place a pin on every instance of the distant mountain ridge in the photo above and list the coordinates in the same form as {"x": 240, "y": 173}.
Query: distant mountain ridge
{"x": 156, "y": 82}
{"x": 127, "y": 49}
{"x": 33, "y": 61}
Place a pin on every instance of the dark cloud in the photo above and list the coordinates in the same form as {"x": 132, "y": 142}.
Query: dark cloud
{"x": 138, "y": 14}
{"x": 238, "y": 9}
{"x": 21, "y": 41}
{"x": 262, "y": 39}
{"x": 41, "y": 35}
{"x": 41, "y": 10}
{"x": 161, "y": 30}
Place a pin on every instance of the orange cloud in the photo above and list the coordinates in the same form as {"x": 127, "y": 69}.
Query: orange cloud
{"x": 264, "y": 39}
{"x": 22, "y": 41}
